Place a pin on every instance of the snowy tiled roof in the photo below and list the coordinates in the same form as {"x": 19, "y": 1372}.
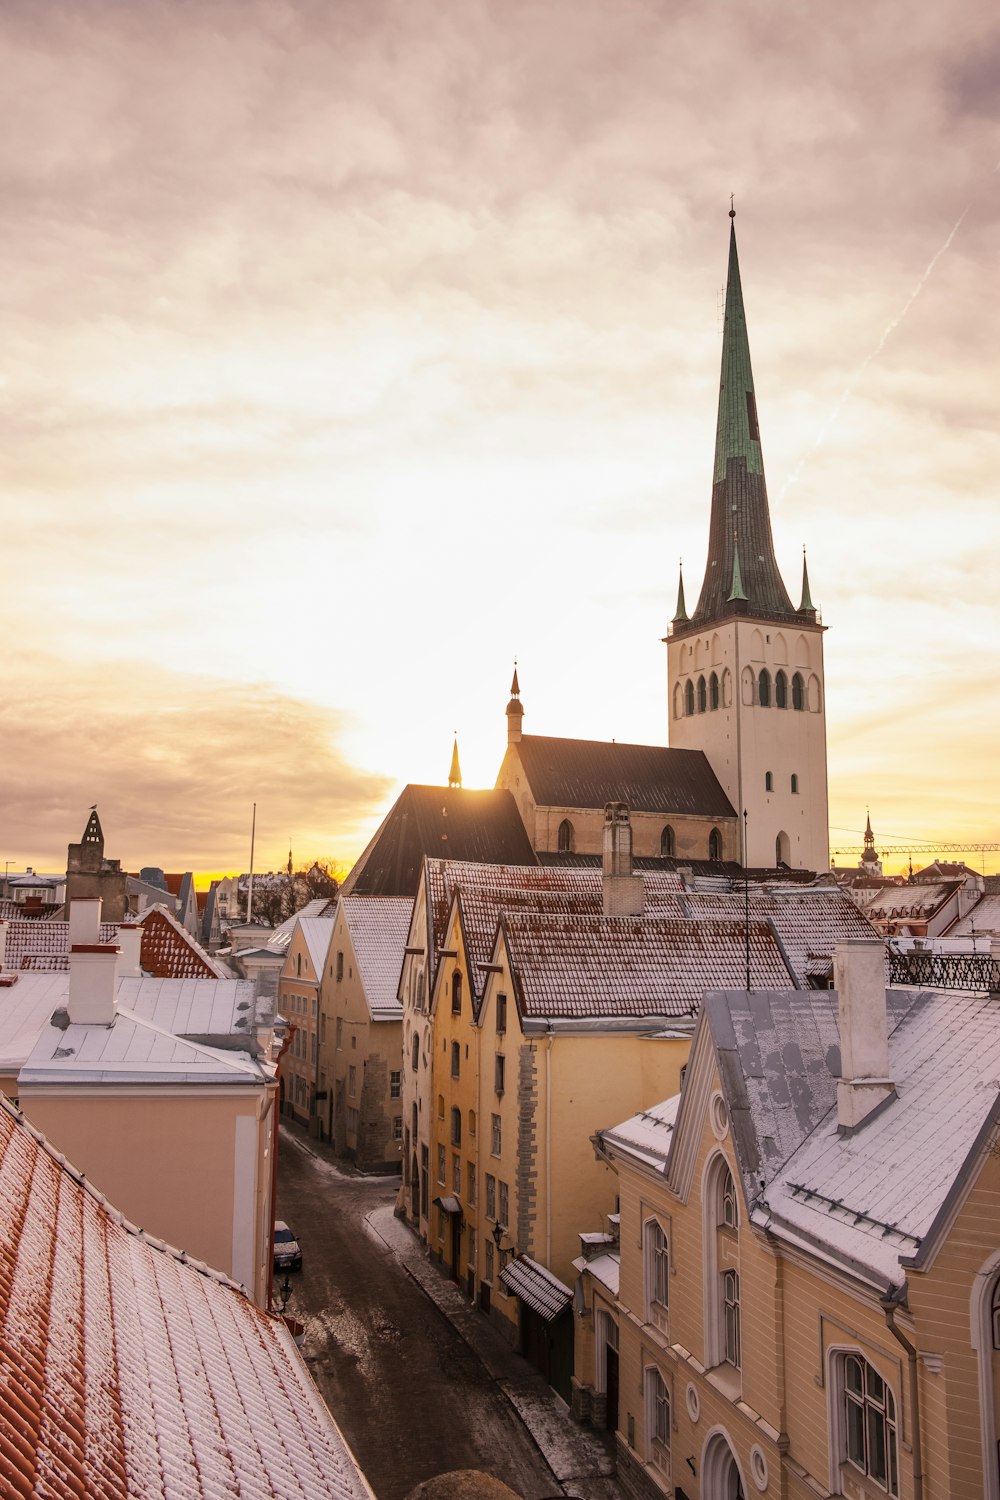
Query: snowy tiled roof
{"x": 873, "y": 1196}
{"x": 536, "y": 1286}
{"x": 982, "y": 919}
{"x": 379, "y": 926}
{"x": 316, "y": 934}
{"x": 282, "y": 935}
{"x": 809, "y": 923}
{"x": 128, "y": 1371}
{"x": 48, "y": 937}
{"x": 590, "y": 967}
{"x": 170, "y": 952}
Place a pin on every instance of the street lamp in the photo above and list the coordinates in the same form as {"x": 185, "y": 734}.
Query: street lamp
{"x": 499, "y": 1230}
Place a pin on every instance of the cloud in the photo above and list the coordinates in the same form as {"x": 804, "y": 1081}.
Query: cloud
{"x": 174, "y": 764}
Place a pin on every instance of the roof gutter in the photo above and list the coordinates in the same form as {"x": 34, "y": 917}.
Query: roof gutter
{"x": 889, "y": 1306}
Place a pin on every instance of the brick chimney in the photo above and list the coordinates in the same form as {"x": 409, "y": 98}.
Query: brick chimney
{"x": 623, "y": 893}
{"x": 93, "y": 965}
{"x": 859, "y": 979}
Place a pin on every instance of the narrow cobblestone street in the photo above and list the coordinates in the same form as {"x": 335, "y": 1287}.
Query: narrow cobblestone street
{"x": 411, "y": 1397}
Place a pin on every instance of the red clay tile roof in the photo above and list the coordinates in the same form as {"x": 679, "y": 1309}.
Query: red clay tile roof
{"x": 128, "y": 1371}
{"x": 168, "y": 949}
{"x": 650, "y": 778}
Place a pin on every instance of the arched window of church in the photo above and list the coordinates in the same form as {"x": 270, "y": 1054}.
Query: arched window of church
{"x": 782, "y": 849}
{"x": 668, "y": 844}
{"x": 715, "y": 844}
{"x": 689, "y": 696}
{"x": 764, "y": 688}
{"x": 780, "y": 690}
{"x": 769, "y": 781}
{"x": 702, "y": 695}
{"x": 565, "y": 837}
{"x": 995, "y": 1314}
{"x": 713, "y": 690}
{"x": 798, "y": 692}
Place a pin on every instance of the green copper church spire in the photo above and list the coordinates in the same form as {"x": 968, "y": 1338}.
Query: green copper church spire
{"x": 807, "y": 606}
{"x": 739, "y": 493}
{"x": 680, "y": 613}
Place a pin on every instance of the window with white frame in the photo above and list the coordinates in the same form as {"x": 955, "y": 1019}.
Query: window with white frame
{"x": 471, "y": 1193}
{"x": 488, "y": 1271}
{"x": 456, "y": 1176}
{"x": 658, "y": 1420}
{"x": 731, "y": 1317}
{"x": 397, "y": 1127}
{"x": 868, "y": 1411}
{"x": 491, "y": 1196}
{"x": 496, "y": 1135}
{"x": 730, "y": 1215}
{"x": 657, "y": 1269}
{"x": 441, "y": 1163}
{"x": 395, "y": 1085}
{"x": 504, "y": 1207}
{"x": 721, "y": 1249}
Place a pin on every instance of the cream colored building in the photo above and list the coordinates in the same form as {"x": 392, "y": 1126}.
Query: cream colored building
{"x": 161, "y": 1090}
{"x": 298, "y": 1001}
{"x": 360, "y": 1078}
{"x": 805, "y": 1299}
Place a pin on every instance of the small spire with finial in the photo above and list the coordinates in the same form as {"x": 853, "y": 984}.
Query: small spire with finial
{"x": 807, "y": 606}
{"x": 680, "y": 613}
{"x": 455, "y": 774}
{"x": 732, "y": 205}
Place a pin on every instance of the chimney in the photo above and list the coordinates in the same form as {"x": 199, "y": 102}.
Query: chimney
{"x": 859, "y": 979}
{"x": 130, "y": 946}
{"x": 84, "y": 920}
{"x": 3, "y": 945}
{"x": 93, "y": 980}
{"x": 623, "y": 893}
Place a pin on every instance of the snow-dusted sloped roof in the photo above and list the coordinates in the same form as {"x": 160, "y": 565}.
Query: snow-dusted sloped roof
{"x": 316, "y": 933}
{"x": 128, "y": 1371}
{"x": 591, "y": 967}
{"x": 168, "y": 949}
{"x": 871, "y": 1198}
{"x": 379, "y": 926}
{"x": 983, "y": 919}
{"x": 646, "y": 1136}
{"x": 282, "y": 935}
{"x": 132, "y": 1050}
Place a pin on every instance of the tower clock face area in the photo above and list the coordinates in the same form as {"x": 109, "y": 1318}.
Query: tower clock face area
{"x": 745, "y": 668}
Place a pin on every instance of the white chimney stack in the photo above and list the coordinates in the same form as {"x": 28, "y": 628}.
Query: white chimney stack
{"x": 859, "y": 978}
{"x": 85, "y": 920}
{"x": 130, "y": 945}
{"x": 623, "y": 893}
{"x": 3, "y": 945}
{"x": 93, "y": 966}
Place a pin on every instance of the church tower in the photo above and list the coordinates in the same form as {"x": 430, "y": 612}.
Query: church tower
{"x": 745, "y": 669}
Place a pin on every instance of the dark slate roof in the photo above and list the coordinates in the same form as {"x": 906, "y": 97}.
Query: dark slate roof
{"x": 650, "y": 778}
{"x": 440, "y": 822}
{"x": 740, "y": 521}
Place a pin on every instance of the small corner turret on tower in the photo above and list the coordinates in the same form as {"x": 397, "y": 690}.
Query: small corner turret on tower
{"x": 515, "y": 710}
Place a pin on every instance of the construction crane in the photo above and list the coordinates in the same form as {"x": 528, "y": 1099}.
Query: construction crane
{"x": 953, "y": 848}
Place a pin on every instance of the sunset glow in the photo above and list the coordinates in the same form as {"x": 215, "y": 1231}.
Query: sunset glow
{"x": 353, "y": 350}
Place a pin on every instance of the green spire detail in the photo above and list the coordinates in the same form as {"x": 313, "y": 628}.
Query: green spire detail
{"x": 807, "y": 606}
{"x": 737, "y": 591}
{"x": 737, "y": 434}
{"x": 680, "y": 614}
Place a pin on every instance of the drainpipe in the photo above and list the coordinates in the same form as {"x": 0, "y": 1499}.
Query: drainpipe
{"x": 548, "y": 1147}
{"x": 889, "y": 1308}
{"x": 274, "y": 1165}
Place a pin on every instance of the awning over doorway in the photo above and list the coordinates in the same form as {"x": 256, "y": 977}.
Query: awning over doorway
{"x": 450, "y": 1204}
{"x": 536, "y": 1287}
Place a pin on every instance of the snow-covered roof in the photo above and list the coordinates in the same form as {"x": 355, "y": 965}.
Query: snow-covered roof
{"x": 872, "y": 1197}
{"x": 646, "y": 1136}
{"x": 316, "y": 934}
{"x": 168, "y": 949}
{"x": 131, "y": 1050}
{"x": 223, "y": 1010}
{"x": 984, "y": 918}
{"x": 137, "y": 1372}
{"x": 282, "y": 935}
{"x": 586, "y": 967}
{"x": 379, "y": 926}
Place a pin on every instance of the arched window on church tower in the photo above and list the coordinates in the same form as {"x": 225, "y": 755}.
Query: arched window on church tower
{"x": 713, "y": 690}
{"x": 565, "y": 837}
{"x": 689, "y": 696}
{"x": 764, "y": 688}
{"x": 668, "y": 844}
{"x": 780, "y": 690}
{"x": 798, "y": 692}
{"x": 715, "y": 844}
{"x": 702, "y": 695}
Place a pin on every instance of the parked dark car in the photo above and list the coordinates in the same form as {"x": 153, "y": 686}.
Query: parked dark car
{"x": 287, "y": 1250}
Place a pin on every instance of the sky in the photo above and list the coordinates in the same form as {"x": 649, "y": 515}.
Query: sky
{"x": 352, "y": 349}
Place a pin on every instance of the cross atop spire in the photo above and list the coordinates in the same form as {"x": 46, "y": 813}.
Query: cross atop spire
{"x": 739, "y": 493}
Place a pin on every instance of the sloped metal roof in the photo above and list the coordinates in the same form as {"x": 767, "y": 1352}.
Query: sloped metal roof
{"x": 536, "y": 1287}
{"x": 650, "y": 778}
